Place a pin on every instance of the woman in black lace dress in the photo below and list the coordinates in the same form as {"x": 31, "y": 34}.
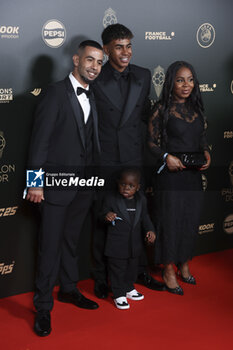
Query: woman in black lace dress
{"x": 177, "y": 131}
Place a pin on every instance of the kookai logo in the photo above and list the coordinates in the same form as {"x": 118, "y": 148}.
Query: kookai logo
{"x": 54, "y": 33}
{"x": 9, "y": 32}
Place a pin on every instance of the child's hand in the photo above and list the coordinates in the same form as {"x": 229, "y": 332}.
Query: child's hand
{"x": 110, "y": 216}
{"x": 150, "y": 237}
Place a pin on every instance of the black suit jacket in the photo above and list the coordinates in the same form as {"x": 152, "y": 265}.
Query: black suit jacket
{"x": 126, "y": 239}
{"x": 58, "y": 140}
{"x": 120, "y": 130}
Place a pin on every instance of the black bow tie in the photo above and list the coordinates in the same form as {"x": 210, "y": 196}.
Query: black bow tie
{"x": 80, "y": 91}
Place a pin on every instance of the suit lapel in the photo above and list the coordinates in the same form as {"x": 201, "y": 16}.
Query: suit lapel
{"x": 77, "y": 109}
{"x": 95, "y": 121}
{"x": 135, "y": 87}
{"x": 111, "y": 91}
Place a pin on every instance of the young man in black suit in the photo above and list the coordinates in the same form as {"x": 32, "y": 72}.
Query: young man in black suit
{"x": 64, "y": 136}
{"x": 122, "y": 98}
{"x": 129, "y": 225}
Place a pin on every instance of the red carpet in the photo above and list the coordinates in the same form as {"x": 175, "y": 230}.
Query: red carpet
{"x": 201, "y": 319}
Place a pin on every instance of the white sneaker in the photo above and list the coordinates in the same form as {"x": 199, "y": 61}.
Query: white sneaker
{"x": 134, "y": 295}
{"x": 121, "y": 303}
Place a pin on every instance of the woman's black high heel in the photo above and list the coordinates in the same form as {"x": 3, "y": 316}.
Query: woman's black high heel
{"x": 177, "y": 290}
{"x": 190, "y": 279}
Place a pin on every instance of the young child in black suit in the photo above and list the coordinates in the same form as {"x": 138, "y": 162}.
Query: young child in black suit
{"x": 126, "y": 214}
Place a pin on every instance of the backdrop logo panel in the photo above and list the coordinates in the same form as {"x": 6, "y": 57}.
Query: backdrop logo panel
{"x": 207, "y": 87}
{"x": 230, "y": 172}
{"x": 9, "y": 211}
{"x": 36, "y": 92}
{"x": 6, "y": 95}
{"x": 109, "y": 17}
{"x": 159, "y": 36}
{"x": 9, "y": 32}
{"x": 158, "y": 79}
{"x": 228, "y": 224}
{"x": 6, "y": 269}
{"x": 2, "y": 143}
{"x": 207, "y": 228}
{"x": 5, "y": 171}
{"x": 205, "y": 35}
{"x": 54, "y": 33}
{"x": 227, "y": 193}
{"x": 228, "y": 134}
{"x": 204, "y": 182}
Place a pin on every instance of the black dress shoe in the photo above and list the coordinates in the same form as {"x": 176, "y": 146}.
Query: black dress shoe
{"x": 178, "y": 290}
{"x": 76, "y": 298}
{"x": 101, "y": 290}
{"x": 149, "y": 282}
{"x": 42, "y": 326}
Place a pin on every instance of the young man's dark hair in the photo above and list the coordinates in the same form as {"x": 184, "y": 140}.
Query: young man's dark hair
{"x": 91, "y": 43}
{"x": 114, "y": 32}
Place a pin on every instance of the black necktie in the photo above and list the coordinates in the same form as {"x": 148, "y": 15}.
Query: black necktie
{"x": 80, "y": 91}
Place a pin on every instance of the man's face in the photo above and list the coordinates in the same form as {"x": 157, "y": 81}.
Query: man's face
{"x": 88, "y": 64}
{"x": 119, "y": 52}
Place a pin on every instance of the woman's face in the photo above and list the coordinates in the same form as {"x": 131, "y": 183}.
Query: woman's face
{"x": 183, "y": 84}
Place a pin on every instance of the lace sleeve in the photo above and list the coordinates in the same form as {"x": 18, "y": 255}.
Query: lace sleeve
{"x": 154, "y": 138}
{"x": 203, "y": 140}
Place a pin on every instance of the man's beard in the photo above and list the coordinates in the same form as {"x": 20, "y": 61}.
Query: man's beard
{"x": 86, "y": 80}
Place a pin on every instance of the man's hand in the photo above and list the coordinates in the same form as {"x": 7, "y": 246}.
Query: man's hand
{"x": 208, "y": 161}
{"x": 35, "y": 194}
{"x": 110, "y": 216}
{"x": 174, "y": 163}
{"x": 150, "y": 237}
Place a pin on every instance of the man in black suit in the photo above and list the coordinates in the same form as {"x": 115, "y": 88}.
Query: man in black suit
{"x": 121, "y": 93}
{"x": 65, "y": 136}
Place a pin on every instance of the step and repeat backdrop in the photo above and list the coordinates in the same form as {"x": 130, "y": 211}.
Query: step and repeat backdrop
{"x": 37, "y": 41}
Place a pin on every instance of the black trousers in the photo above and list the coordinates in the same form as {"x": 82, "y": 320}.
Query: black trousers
{"x": 60, "y": 230}
{"x": 122, "y": 274}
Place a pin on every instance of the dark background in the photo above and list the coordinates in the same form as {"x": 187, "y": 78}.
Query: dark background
{"x": 27, "y": 63}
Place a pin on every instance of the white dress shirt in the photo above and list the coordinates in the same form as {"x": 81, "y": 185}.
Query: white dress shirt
{"x": 83, "y": 99}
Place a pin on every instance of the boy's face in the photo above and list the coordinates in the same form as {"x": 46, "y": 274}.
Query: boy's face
{"x": 128, "y": 185}
{"x": 119, "y": 52}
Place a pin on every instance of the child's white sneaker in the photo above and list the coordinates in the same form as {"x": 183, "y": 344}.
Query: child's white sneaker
{"x": 134, "y": 295}
{"x": 121, "y": 303}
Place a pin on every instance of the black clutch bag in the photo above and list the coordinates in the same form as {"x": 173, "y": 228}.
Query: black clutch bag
{"x": 192, "y": 160}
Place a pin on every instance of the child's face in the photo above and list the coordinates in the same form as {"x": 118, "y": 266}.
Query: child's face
{"x": 128, "y": 185}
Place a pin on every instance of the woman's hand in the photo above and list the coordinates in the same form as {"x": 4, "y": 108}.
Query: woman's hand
{"x": 208, "y": 161}
{"x": 174, "y": 163}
